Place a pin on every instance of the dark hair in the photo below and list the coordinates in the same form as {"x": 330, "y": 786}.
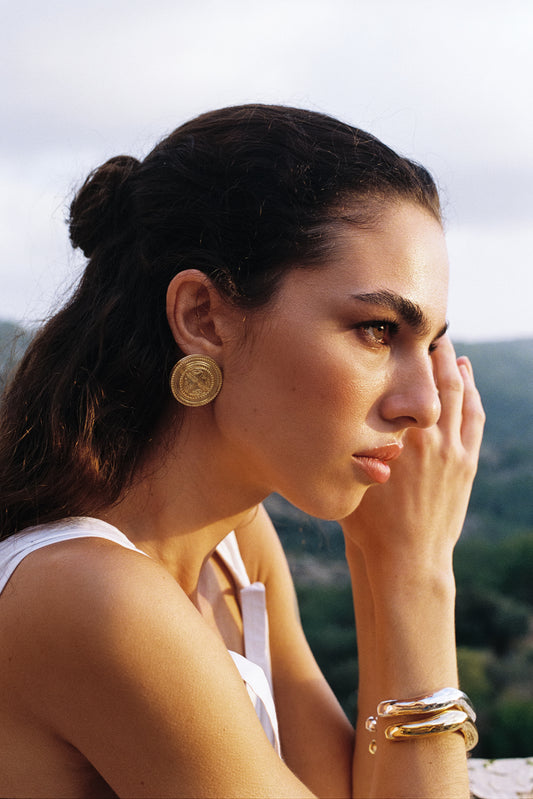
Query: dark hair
{"x": 242, "y": 194}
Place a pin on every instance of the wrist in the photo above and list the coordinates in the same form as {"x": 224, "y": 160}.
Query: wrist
{"x": 407, "y": 604}
{"x": 420, "y": 571}
{"x": 428, "y": 584}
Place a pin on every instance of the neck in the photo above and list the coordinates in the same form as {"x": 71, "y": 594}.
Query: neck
{"x": 185, "y": 500}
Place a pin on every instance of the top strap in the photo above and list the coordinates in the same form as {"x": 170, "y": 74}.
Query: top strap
{"x": 253, "y": 606}
{"x": 229, "y": 551}
{"x": 14, "y": 549}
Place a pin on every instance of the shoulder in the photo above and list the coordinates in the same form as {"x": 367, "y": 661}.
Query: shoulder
{"x": 84, "y": 568}
{"x": 82, "y": 593}
{"x": 111, "y": 655}
{"x": 80, "y": 607}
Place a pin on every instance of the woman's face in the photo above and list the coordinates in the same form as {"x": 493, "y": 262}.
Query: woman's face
{"x": 339, "y": 366}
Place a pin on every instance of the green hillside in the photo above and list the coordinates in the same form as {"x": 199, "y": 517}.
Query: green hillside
{"x": 504, "y": 374}
{"x": 502, "y": 500}
{"x": 13, "y": 341}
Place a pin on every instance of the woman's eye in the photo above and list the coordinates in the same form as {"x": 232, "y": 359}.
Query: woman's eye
{"x": 378, "y": 334}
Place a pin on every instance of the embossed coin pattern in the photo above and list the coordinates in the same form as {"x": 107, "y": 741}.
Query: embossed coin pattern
{"x": 196, "y": 380}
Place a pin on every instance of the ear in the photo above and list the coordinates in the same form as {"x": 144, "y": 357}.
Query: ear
{"x": 196, "y": 313}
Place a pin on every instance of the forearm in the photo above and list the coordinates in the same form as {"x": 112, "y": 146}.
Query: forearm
{"x": 406, "y": 643}
{"x": 363, "y": 761}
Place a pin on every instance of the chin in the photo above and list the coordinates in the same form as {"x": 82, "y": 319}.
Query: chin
{"x": 329, "y": 506}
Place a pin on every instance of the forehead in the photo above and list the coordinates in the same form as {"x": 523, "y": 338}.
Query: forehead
{"x": 403, "y": 253}
{"x": 405, "y": 247}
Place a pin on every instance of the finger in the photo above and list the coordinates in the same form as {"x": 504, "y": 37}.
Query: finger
{"x": 463, "y": 360}
{"x": 473, "y": 420}
{"x": 450, "y": 385}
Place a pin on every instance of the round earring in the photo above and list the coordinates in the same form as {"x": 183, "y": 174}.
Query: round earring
{"x": 195, "y": 380}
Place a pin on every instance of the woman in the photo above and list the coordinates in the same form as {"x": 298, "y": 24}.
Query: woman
{"x": 288, "y": 274}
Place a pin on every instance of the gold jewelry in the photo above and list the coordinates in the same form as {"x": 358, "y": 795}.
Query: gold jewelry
{"x": 195, "y": 380}
{"x": 447, "y": 710}
{"x": 448, "y": 721}
{"x": 445, "y": 699}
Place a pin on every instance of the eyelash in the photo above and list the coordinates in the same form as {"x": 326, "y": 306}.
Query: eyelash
{"x": 389, "y": 331}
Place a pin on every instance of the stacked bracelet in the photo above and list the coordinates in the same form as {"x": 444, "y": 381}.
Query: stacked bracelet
{"x": 447, "y": 721}
{"x": 447, "y": 710}
{"x": 445, "y": 699}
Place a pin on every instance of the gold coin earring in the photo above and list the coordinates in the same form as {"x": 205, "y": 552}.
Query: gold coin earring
{"x": 195, "y": 380}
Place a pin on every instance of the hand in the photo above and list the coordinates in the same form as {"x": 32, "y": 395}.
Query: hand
{"x": 419, "y": 513}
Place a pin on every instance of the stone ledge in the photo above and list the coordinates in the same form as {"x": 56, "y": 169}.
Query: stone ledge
{"x": 510, "y": 778}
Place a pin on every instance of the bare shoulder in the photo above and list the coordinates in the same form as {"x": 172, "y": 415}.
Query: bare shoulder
{"x": 89, "y": 603}
{"x": 71, "y": 605}
{"x": 85, "y": 588}
{"x": 115, "y": 659}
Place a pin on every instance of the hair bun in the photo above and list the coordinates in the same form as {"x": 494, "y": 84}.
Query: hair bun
{"x": 99, "y": 209}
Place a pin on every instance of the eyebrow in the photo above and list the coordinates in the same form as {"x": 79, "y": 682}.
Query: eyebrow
{"x": 411, "y": 313}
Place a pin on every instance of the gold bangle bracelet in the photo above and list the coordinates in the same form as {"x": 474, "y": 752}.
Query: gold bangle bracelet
{"x": 445, "y": 699}
{"x": 447, "y": 721}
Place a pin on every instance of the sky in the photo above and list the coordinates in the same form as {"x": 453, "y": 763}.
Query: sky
{"x": 446, "y": 83}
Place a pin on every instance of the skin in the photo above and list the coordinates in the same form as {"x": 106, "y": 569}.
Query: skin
{"x": 138, "y": 645}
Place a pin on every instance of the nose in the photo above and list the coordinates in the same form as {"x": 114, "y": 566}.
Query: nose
{"x": 413, "y": 398}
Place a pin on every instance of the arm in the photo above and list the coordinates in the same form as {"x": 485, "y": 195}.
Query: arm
{"x": 399, "y": 545}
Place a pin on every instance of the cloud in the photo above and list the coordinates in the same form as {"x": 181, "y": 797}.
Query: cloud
{"x": 444, "y": 82}
{"x": 490, "y": 285}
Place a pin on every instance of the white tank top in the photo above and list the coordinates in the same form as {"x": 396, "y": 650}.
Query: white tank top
{"x": 254, "y": 667}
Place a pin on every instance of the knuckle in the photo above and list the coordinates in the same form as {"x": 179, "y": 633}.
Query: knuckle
{"x": 451, "y": 384}
{"x": 478, "y": 413}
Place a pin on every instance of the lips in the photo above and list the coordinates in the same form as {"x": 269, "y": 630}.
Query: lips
{"x": 388, "y": 452}
{"x": 375, "y": 462}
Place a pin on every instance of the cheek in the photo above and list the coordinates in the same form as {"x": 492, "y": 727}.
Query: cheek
{"x": 281, "y": 390}
{"x": 310, "y": 379}
{"x": 293, "y": 378}
{"x": 352, "y": 389}
{"x": 333, "y": 394}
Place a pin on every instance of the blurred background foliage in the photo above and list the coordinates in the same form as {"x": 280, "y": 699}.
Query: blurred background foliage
{"x": 493, "y": 560}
